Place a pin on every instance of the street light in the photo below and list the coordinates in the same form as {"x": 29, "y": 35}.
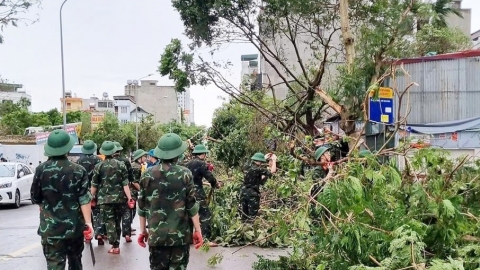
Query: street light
{"x": 63, "y": 71}
{"x": 135, "y": 83}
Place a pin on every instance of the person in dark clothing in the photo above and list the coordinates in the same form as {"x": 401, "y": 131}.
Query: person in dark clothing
{"x": 88, "y": 161}
{"x": 127, "y": 215}
{"x": 255, "y": 175}
{"x": 199, "y": 169}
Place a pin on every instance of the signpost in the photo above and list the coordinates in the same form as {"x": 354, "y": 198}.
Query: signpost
{"x": 41, "y": 137}
{"x": 96, "y": 119}
{"x": 381, "y": 110}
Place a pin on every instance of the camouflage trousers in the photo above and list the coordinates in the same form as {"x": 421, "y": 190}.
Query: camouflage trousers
{"x": 57, "y": 251}
{"x": 250, "y": 203}
{"x": 204, "y": 213}
{"x": 112, "y": 216}
{"x": 169, "y": 258}
{"x": 127, "y": 219}
{"x": 98, "y": 224}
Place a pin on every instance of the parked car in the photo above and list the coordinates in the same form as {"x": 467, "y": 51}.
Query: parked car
{"x": 15, "y": 182}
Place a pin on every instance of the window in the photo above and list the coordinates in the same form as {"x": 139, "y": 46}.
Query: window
{"x": 123, "y": 109}
{"x": 110, "y": 104}
{"x": 69, "y": 105}
{"x": 26, "y": 170}
{"x": 7, "y": 170}
{"x": 102, "y": 104}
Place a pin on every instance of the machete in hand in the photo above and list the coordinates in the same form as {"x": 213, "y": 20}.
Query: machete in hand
{"x": 89, "y": 242}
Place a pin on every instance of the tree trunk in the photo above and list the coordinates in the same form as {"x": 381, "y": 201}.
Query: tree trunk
{"x": 348, "y": 40}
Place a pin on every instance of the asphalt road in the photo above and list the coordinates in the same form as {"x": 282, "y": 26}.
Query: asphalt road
{"x": 20, "y": 248}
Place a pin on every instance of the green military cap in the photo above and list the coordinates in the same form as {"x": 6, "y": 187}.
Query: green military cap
{"x": 58, "y": 143}
{"x": 118, "y": 146}
{"x": 200, "y": 149}
{"x": 89, "y": 147}
{"x": 108, "y": 148}
{"x": 259, "y": 157}
{"x": 170, "y": 146}
{"x": 138, "y": 154}
{"x": 319, "y": 152}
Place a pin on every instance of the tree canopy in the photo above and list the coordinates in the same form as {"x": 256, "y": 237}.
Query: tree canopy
{"x": 306, "y": 65}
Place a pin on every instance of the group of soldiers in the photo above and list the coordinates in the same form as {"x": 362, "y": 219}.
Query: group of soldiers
{"x": 98, "y": 195}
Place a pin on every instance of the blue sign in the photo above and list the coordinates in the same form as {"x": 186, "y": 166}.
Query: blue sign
{"x": 381, "y": 110}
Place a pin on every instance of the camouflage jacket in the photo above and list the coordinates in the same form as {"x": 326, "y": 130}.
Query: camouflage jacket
{"x": 253, "y": 176}
{"x": 88, "y": 162}
{"x": 137, "y": 174}
{"x": 109, "y": 177}
{"x": 199, "y": 171}
{"x": 128, "y": 165}
{"x": 319, "y": 173}
{"x": 168, "y": 202}
{"x": 60, "y": 187}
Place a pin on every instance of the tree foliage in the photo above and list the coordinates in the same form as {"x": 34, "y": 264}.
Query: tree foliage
{"x": 15, "y": 117}
{"x": 441, "y": 40}
{"x": 11, "y": 12}
{"x": 111, "y": 130}
{"x": 300, "y": 44}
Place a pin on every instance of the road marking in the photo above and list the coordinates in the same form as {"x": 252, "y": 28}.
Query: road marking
{"x": 19, "y": 252}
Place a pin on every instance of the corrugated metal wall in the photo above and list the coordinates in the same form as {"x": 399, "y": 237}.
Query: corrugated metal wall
{"x": 448, "y": 90}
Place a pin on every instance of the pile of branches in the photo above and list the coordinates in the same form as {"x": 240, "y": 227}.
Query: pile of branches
{"x": 369, "y": 215}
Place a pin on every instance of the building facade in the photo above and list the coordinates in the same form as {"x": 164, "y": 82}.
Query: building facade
{"x": 138, "y": 116}
{"x": 465, "y": 23}
{"x": 185, "y": 105}
{"x": 192, "y": 112}
{"x": 123, "y": 106}
{"x": 160, "y": 101}
{"x": 72, "y": 103}
{"x": 14, "y": 93}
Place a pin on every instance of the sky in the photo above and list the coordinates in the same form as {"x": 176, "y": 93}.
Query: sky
{"x": 106, "y": 43}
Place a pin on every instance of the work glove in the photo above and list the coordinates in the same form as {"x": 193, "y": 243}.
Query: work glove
{"x": 131, "y": 203}
{"x": 93, "y": 203}
{"x": 210, "y": 167}
{"x": 197, "y": 239}
{"x": 88, "y": 232}
{"x": 142, "y": 239}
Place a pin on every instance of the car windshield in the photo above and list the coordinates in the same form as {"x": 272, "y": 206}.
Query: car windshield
{"x": 7, "y": 170}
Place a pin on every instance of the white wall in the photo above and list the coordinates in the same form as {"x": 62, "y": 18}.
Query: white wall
{"x": 15, "y": 97}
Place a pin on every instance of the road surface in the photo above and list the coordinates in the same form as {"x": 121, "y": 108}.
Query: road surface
{"x": 20, "y": 248}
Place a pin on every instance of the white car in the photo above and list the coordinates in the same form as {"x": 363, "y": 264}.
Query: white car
{"x": 15, "y": 182}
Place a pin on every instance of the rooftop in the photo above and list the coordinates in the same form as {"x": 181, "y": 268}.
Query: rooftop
{"x": 439, "y": 57}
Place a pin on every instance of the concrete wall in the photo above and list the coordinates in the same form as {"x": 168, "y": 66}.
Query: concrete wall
{"x": 160, "y": 101}
{"x": 464, "y": 23}
{"x": 15, "y": 97}
{"x": 309, "y": 50}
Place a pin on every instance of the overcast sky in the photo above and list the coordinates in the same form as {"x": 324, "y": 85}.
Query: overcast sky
{"x": 106, "y": 43}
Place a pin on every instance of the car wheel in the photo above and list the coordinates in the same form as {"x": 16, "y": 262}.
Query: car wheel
{"x": 17, "y": 199}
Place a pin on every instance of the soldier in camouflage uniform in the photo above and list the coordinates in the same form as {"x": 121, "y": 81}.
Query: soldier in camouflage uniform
{"x": 139, "y": 158}
{"x": 60, "y": 187}
{"x": 127, "y": 217}
{"x": 110, "y": 178}
{"x": 320, "y": 173}
{"x": 255, "y": 175}
{"x": 167, "y": 201}
{"x": 88, "y": 161}
{"x": 200, "y": 170}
